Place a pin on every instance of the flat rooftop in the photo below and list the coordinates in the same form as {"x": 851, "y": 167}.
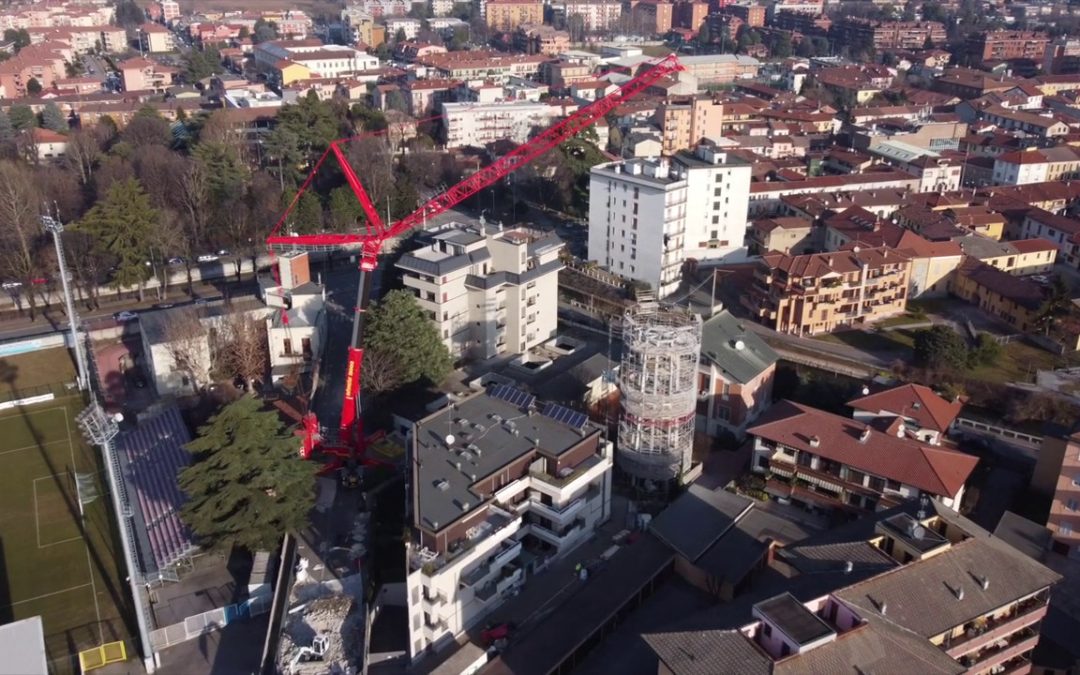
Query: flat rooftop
{"x": 488, "y": 433}
{"x": 789, "y": 616}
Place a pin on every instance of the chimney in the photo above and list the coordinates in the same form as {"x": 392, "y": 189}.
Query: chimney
{"x": 814, "y": 441}
{"x": 865, "y": 435}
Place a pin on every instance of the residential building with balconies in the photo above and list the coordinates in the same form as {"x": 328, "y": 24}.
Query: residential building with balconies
{"x": 489, "y": 290}
{"x": 1057, "y": 475}
{"x": 501, "y": 485}
{"x": 820, "y": 292}
{"x": 477, "y": 124}
{"x": 831, "y": 462}
{"x": 647, "y": 216}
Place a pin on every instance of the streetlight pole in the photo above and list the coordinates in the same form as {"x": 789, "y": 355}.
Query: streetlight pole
{"x": 56, "y": 228}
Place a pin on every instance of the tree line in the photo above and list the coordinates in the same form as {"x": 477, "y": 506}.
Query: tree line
{"x": 142, "y": 201}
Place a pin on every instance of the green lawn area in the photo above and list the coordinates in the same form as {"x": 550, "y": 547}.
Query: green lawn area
{"x": 54, "y": 563}
{"x": 1018, "y": 362}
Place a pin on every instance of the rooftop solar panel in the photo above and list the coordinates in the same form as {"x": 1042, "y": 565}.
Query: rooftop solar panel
{"x": 512, "y": 395}
{"x": 571, "y": 418}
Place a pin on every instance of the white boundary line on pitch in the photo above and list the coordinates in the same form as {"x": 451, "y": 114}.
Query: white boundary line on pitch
{"x": 89, "y": 564}
{"x": 35, "y": 446}
{"x": 37, "y": 522}
{"x": 48, "y": 595}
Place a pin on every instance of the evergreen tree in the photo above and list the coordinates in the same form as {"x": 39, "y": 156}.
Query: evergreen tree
{"x": 122, "y": 225}
{"x": 307, "y": 216}
{"x": 33, "y": 87}
{"x": 248, "y": 485}
{"x": 53, "y": 118}
{"x": 940, "y": 347}
{"x": 22, "y": 117}
{"x": 345, "y": 209}
{"x": 398, "y": 329}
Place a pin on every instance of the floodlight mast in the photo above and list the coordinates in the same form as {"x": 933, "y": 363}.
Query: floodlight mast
{"x": 351, "y": 442}
{"x": 56, "y": 228}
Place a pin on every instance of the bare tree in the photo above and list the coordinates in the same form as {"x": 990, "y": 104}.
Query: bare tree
{"x": 21, "y": 235}
{"x": 380, "y": 372}
{"x": 167, "y": 239}
{"x": 186, "y": 343}
{"x": 83, "y": 152}
{"x": 194, "y": 191}
{"x": 242, "y": 348}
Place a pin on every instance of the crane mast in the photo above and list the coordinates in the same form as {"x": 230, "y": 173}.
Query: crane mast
{"x": 351, "y": 439}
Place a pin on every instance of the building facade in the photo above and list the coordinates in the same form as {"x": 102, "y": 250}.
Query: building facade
{"x": 477, "y": 124}
{"x": 510, "y": 14}
{"x": 735, "y": 377}
{"x": 817, "y": 293}
{"x": 831, "y": 462}
{"x": 647, "y": 216}
{"x": 490, "y": 291}
{"x": 493, "y": 476}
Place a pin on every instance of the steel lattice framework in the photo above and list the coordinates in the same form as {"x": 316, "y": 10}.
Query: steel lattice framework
{"x": 351, "y": 439}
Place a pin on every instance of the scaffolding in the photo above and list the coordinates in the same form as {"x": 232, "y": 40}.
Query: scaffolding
{"x": 658, "y": 389}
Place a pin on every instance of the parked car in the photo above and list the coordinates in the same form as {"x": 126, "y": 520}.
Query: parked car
{"x": 207, "y": 258}
{"x": 176, "y": 261}
{"x": 125, "y": 316}
{"x": 165, "y": 305}
{"x": 11, "y": 285}
{"x": 224, "y": 252}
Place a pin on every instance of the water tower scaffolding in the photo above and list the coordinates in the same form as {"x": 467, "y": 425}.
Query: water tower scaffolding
{"x": 658, "y": 388}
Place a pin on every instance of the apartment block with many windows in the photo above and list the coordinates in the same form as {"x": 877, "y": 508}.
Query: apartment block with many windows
{"x": 647, "y": 216}
{"x": 820, "y": 292}
{"x": 501, "y": 484}
{"x": 489, "y": 290}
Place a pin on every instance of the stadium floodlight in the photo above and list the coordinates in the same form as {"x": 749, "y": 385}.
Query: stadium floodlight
{"x": 54, "y": 227}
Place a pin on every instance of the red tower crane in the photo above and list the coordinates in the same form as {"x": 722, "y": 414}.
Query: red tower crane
{"x": 351, "y": 441}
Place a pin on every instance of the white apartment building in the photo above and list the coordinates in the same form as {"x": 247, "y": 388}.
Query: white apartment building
{"x": 597, "y": 15}
{"x": 320, "y": 59}
{"x": 408, "y": 26}
{"x": 477, "y": 124}
{"x": 441, "y": 8}
{"x": 495, "y": 475}
{"x": 490, "y": 290}
{"x": 647, "y": 216}
{"x": 170, "y": 10}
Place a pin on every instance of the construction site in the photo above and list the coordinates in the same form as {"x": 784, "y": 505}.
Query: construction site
{"x": 658, "y": 388}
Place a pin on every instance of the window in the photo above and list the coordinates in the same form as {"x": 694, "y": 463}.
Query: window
{"x": 286, "y": 346}
{"x": 715, "y": 221}
{"x": 1065, "y": 529}
{"x": 1076, "y": 480}
{"x": 1073, "y": 505}
{"x": 891, "y": 484}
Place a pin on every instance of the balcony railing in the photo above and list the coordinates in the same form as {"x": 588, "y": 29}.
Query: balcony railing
{"x": 507, "y": 552}
{"x": 562, "y": 481}
{"x": 979, "y": 634}
{"x": 559, "y": 513}
{"x": 476, "y": 575}
{"x": 1016, "y": 644}
{"x": 496, "y": 520}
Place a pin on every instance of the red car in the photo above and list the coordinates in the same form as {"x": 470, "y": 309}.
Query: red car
{"x": 495, "y": 632}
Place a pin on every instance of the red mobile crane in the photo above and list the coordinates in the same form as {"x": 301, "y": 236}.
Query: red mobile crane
{"x": 351, "y": 442}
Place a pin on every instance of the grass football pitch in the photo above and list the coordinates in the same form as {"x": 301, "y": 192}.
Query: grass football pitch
{"x": 54, "y": 562}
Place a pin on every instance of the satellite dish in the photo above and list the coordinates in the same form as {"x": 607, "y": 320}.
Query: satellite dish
{"x": 450, "y": 440}
{"x": 739, "y": 345}
{"x": 865, "y": 390}
{"x": 918, "y": 532}
{"x": 118, "y": 417}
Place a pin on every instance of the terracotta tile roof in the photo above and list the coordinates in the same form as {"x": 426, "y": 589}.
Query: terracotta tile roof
{"x": 47, "y": 136}
{"x": 1018, "y": 290}
{"x": 1033, "y": 245}
{"x": 934, "y": 470}
{"x": 913, "y": 401}
{"x": 840, "y": 262}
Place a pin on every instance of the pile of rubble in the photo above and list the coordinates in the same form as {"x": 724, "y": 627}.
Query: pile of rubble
{"x": 323, "y": 635}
